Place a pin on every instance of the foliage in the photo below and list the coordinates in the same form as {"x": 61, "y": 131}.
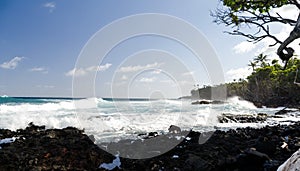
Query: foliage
{"x": 253, "y": 13}
{"x": 268, "y": 84}
{"x": 261, "y": 6}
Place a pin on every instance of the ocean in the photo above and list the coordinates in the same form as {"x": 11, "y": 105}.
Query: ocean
{"x": 111, "y": 119}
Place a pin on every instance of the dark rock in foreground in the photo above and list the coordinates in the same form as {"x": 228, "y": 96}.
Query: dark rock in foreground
{"x": 54, "y": 149}
{"x": 36, "y": 148}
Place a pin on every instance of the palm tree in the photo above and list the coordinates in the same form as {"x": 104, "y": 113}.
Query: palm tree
{"x": 252, "y": 65}
{"x": 262, "y": 59}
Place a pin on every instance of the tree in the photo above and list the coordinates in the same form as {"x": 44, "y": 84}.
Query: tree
{"x": 270, "y": 85}
{"x": 261, "y": 59}
{"x": 252, "y": 65}
{"x": 267, "y": 85}
{"x": 243, "y": 14}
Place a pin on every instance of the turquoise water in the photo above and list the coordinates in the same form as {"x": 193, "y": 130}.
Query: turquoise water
{"x": 16, "y": 100}
{"x": 34, "y": 100}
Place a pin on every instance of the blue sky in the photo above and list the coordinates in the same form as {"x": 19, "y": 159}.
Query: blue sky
{"x": 40, "y": 42}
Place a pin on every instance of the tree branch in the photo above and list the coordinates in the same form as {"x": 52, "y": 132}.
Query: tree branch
{"x": 249, "y": 18}
{"x": 257, "y": 13}
{"x": 295, "y": 2}
{"x": 252, "y": 18}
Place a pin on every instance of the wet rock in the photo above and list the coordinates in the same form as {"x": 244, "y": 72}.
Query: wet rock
{"x": 251, "y": 160}
{"x": 265, "y": 145}
{"x": 242, "y": 118}
{"x": 194, "y": 162}
{"x": 70, "y": 149}
{"x": 66, "y": 149}
{"x": 285, "y": 111}
{"x": 174, "y": 129}
{"x": 201, "y": 102}
{"x": 152, "y": 134}
{"x": 208, "y": 102}
{"x": 217, "y": 102}
{"x": 258, "y": 104}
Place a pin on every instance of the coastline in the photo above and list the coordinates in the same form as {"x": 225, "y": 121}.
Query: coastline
{"x": 37, "y": 148}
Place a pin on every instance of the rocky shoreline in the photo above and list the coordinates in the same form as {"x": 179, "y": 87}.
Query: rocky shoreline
{"x": 37, "y": 148}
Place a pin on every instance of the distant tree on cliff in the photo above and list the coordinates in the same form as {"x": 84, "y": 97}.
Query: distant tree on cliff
{"x": 240, "y": 15}
{"x": 269, "y": 84}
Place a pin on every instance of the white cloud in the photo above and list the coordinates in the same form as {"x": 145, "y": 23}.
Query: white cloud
{"x": 104, "y": 67}
{"x": 147, "y": 80}
{"x": 83, "y": 71}
{"x": 99, "y": 68}
{"x": 156, "y": 71}
{"x": 76, "y": 72}
{"x": 244, "y": 47}
{"x": 124, "y": 77}
{"x": 237, "y": 73}
{"x": 12, "y": 64}
{"x": 286, "y": 11}
{"x": 39, "y": 69}
{"x": 190, "y": 73}
{"x": 139, "y": 67}
{"x": 50, "y": 5}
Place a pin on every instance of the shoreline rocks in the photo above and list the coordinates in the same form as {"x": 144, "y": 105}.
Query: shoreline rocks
{"x": 243, "y": 118}
{"x": 37, "y": 148}
{"x": 203, "y": 102}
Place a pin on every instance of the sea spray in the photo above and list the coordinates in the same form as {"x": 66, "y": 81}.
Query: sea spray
{"x": 237, "y": 101}
{"x": 114, "y": 120}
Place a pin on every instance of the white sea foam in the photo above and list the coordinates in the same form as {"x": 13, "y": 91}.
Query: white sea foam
{"x": 108, "y": 120}
{"x": 15, "y": 116}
